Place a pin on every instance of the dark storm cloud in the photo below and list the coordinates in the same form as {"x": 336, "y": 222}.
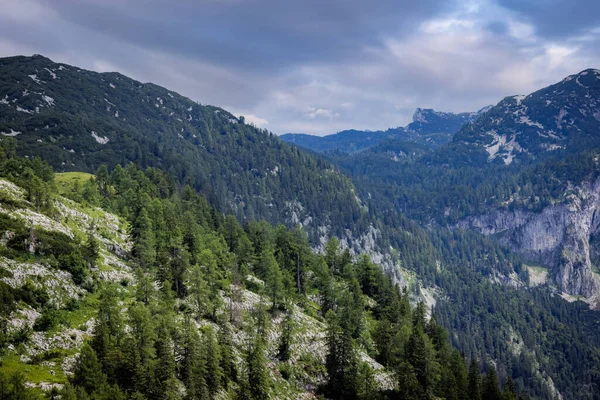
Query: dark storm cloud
{"x": 251, "y": 34}
{"x": 558, "y": 18}
{"x": 317, "y": 66}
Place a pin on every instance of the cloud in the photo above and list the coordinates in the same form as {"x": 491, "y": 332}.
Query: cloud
{"x": 254, "y": 120}
{"x": 321, "y": 113}
{"x": 313, "y": 66}
{"x": 557, "y": 19}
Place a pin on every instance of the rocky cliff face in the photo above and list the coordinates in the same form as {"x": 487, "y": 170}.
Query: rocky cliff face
{"x": 561, "y": 237}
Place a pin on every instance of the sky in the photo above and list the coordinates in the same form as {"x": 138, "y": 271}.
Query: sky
{"x": 317, "y": 66}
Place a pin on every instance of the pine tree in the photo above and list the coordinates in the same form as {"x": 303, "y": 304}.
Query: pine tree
{"x": 366, "y": 386}
{"x": 228, "y": 365}
{"x": 490, "y": 389}
{"x": 92, "y": 248}
{"x": 198, "y": 290}
{"x": 144, "y": 337}
{"x": 474, "y": 381}
{"x": 416, "y": 355}
{"x": 258, "y": 377}
{"x": 341, "y": 361}
{"x": 408, "y": 384}
{"x": 332, "y": 255}
{"x": 164, "y": 371}
{"x": 213, "y": 362}
{"x": 108, "y": 330}
{"x": 193, "y": 365}
{"x": 88, "y": 371}
{"x": 90, "y": 192}
{"x": 285, "y": 340}
{"x": 144, "y": 245}
{"x": 509, "y": 391}
{"x": 102, "y": 178}
{"x": 274, "y": 284}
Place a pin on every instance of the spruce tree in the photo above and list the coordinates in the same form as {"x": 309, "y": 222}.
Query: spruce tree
{"x": 88, "y": 371}
{"x": 213, "y": 362}
{"x": 474, "y": 381}
{"x": 341, "y": 361}
{"x": 490, "y": 389}
{"x": 144, "y": 245}
{"x": 416, "y": 355}
{"x": 285, "y": 340}
{"x": 258, "y": 376}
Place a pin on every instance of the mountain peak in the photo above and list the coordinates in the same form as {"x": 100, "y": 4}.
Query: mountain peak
{"x": 561, "y": 117}
{"x": 421, "y": 114}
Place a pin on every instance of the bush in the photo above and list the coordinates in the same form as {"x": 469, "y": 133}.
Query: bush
{"x": 49, "y": 319}
{"x": 75, "y": 264}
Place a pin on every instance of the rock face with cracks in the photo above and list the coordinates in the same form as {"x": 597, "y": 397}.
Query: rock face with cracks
{"x": 562, "y": 236}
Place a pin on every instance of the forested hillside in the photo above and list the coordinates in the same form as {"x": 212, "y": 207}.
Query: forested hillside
{"x": 124, "y": 285}
{"x": 540, "y": 218}
{"x": 149, "y": 231}
{"x": 78, "y": 120}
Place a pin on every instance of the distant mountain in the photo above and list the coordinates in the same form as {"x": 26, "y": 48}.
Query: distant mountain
{"x": 348, "y": 141}
{"x": 78, "y": 120}
{"x": 462, "y": 238}
{"x": 561, "y": 118}
{"x": 429, "y": 127}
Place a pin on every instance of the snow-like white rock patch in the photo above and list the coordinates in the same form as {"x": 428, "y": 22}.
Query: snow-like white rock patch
{"x": 21, "y": 109}
{"x": 15, "y": 192}
{"x": 559, "y": 118}
{"x": 52, "y": 74}
{"x": 48, "y": 100}
{"x": 502, "y": 143}
{"x": 537, "y": 276}
{"x": 5, "y": 100}
{"x": 525, "y": 120}
{"x": 12, "y": 133}
{"x": 100, "y": 139}
{"x": 497, "y": 142}
{"x": 519, "y": 98}
{"x": 57, "y": 283}
{"x": 38, "y": 220}
{"x": 35, "y": 79}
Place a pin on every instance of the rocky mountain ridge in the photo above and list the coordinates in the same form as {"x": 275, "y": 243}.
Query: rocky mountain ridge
{"x": 561, "y": 118}
{"x": 429, "y": 128}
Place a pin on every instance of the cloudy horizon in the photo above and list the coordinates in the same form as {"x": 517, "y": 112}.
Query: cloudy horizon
{"x": 317, "y": 67}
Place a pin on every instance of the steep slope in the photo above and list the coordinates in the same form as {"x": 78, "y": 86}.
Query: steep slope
{"x": 475, "y": 284}
{"x": 564, "y": 117}
{"x": 172, "y": 300}
{"x": 78, "y": 120}
{"x": 429, "y": 127}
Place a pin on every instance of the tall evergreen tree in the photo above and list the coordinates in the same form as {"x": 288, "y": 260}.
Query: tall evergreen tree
{"x": 490, "y": 389}
{"x": 258, "y": 376}
{"x": 474, "y": 381}
{"x": 144, "y": 245}
{"x": 88, "y": 371}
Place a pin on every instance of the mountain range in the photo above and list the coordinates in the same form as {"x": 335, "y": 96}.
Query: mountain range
{"x": 561, "y": 118}
{"x": 489, "y": 217}
{"x": 429, "y": 128}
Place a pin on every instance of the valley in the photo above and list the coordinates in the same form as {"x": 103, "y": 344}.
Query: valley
{"x": 411, "y": 262}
